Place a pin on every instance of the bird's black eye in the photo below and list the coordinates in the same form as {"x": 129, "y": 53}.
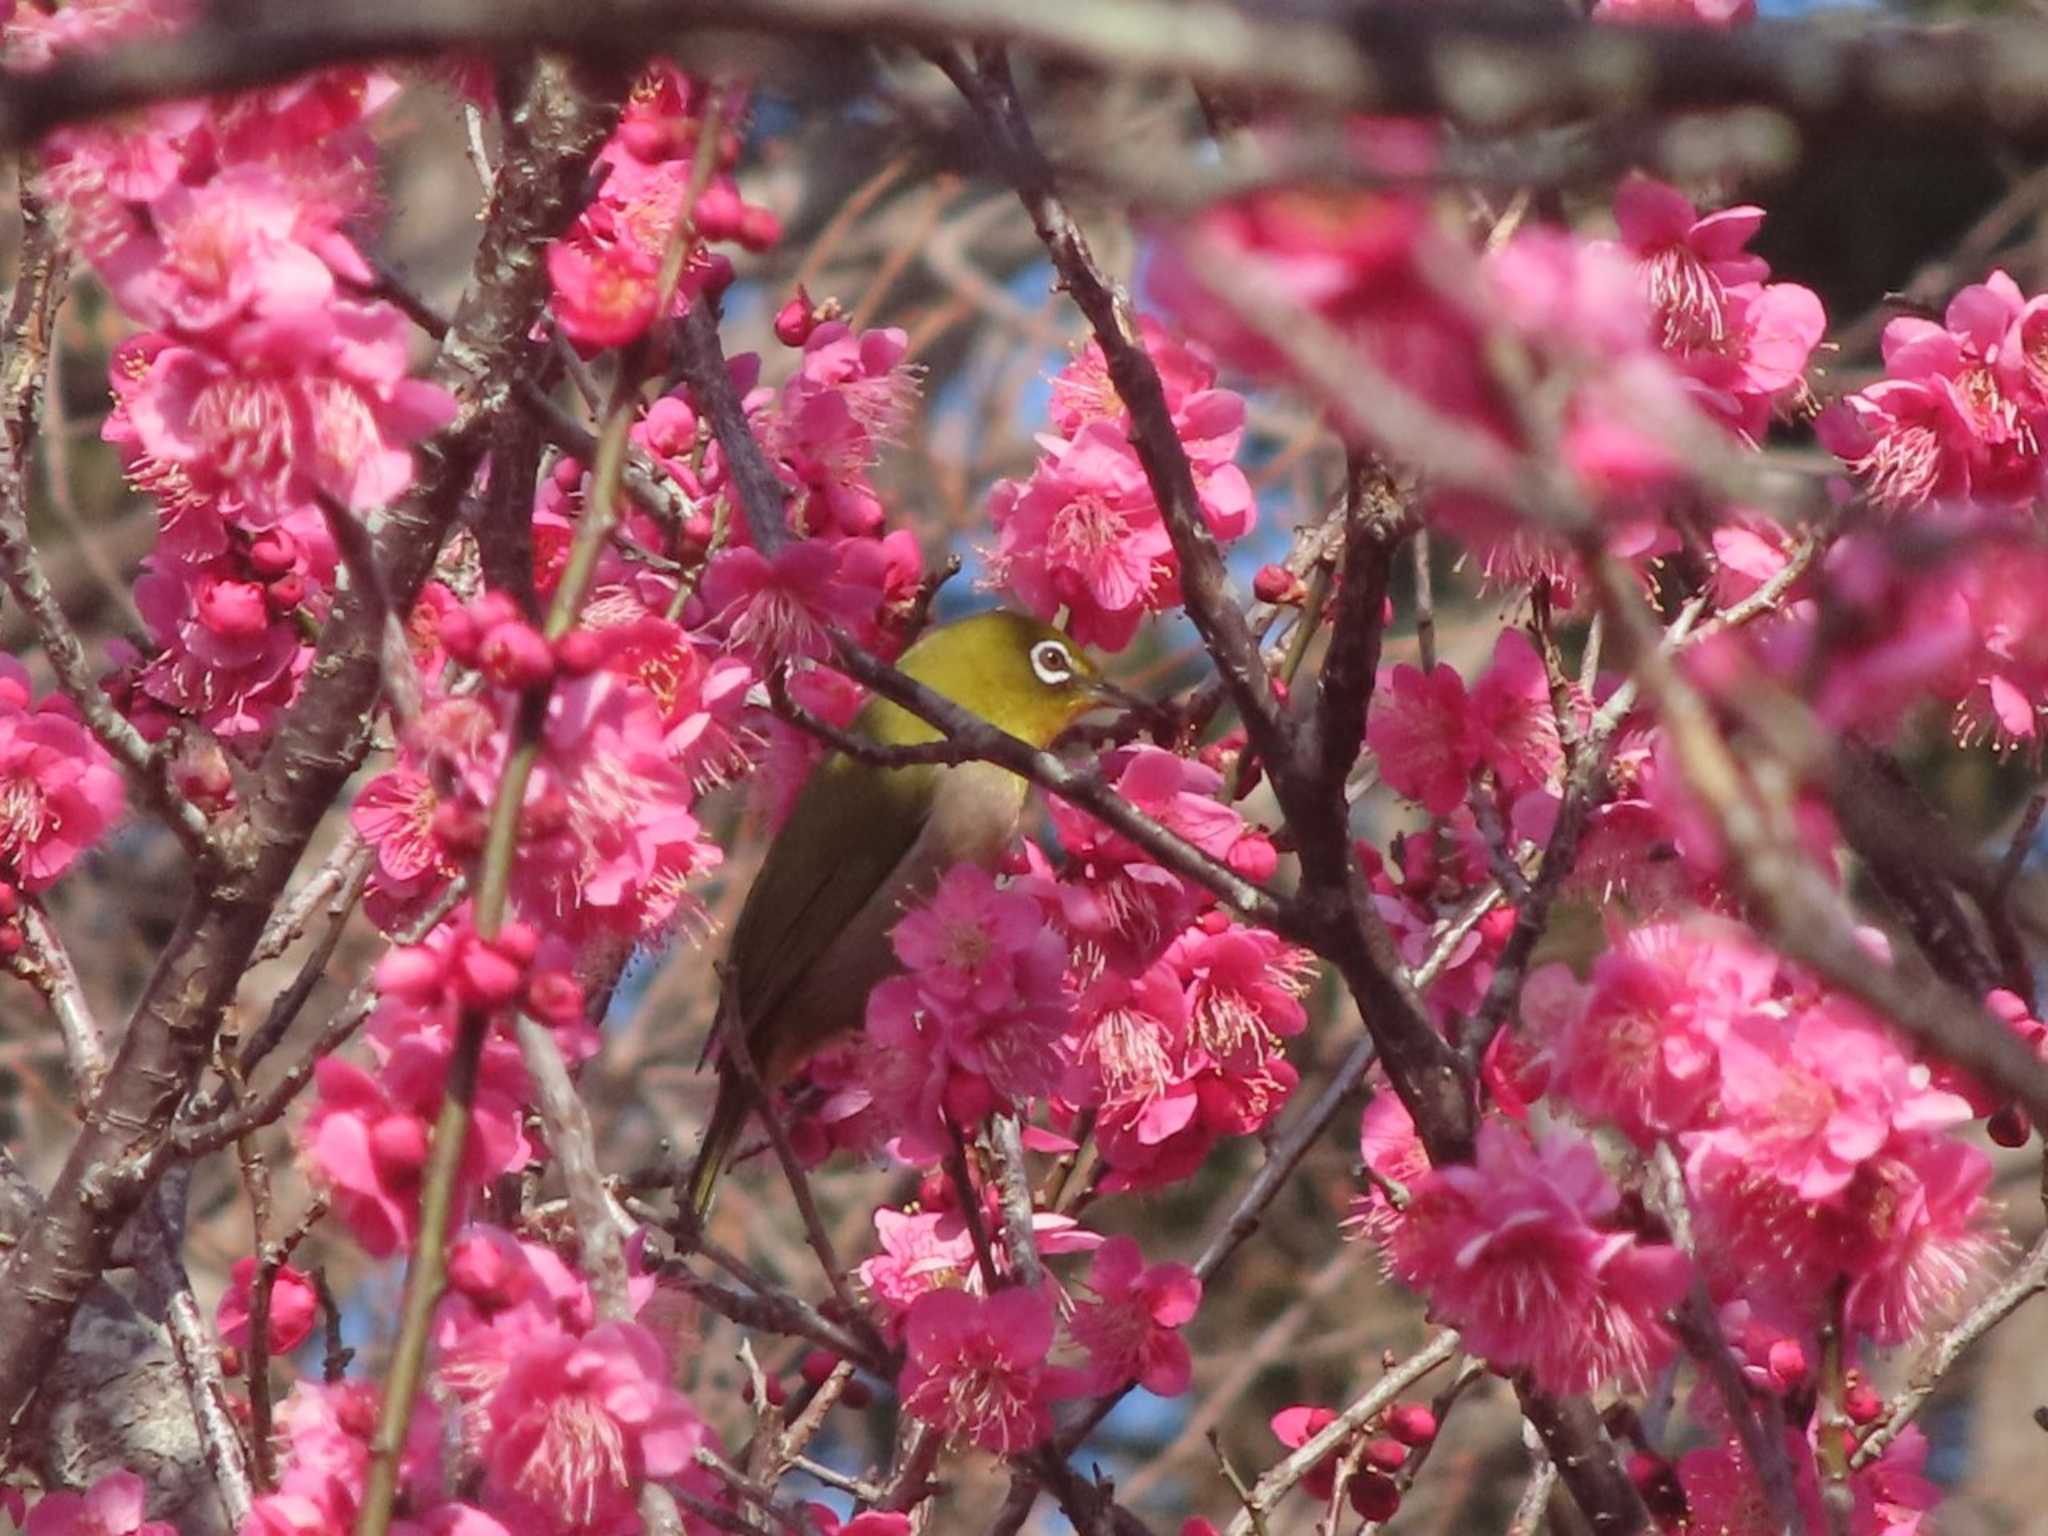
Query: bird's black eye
{"x": 1052, "y": 663}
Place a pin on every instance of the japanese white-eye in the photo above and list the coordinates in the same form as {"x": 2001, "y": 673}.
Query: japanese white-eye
{"x": 864, "y": 843}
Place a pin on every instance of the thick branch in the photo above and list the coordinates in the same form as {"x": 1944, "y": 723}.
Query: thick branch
{"x": 1487, "y": 69}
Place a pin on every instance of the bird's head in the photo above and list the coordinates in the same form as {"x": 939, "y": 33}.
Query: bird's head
{"x": 1020, "y": 675}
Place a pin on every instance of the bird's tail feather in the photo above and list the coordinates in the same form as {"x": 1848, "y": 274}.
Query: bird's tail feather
{"x": 721, "y": 1139}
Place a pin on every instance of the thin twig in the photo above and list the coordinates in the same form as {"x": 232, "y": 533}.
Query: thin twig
{"x": 1375, "y": 1400}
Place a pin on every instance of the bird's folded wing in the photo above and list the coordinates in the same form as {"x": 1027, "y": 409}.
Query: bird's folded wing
{"x": 851, "y": 826}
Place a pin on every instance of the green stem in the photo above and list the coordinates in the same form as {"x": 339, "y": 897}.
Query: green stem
{"x": 423, "y": 1281}
{"x": 427, "y": 1276}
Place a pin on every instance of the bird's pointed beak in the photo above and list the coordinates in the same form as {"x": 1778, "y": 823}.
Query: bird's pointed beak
{"x": 1110, "y": 694}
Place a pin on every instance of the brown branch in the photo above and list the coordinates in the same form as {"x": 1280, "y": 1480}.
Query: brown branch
{"x": 747, "y": 468}
{"x": 1981, "y": 84}
{"x": 1374, "y": 524}
{"x": 45, "y": 964}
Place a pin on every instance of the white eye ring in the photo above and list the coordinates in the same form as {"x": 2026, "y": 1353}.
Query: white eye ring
{"x": 1052, "y": 663}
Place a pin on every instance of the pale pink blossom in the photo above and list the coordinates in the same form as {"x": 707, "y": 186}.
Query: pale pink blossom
{"x": 1806, "y": 1102}
{"x": 779, "y": 608}
{"x": 1085, "y": 533}
{"x": 1643, "y": 1049}
{"x": 1744, "y": 342}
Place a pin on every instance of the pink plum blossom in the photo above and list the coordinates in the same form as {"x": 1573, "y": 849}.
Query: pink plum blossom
{"x": 1131, "y": 1330}
{"x": 977, "y": 1366}
{"x": 59, "y": 789}
{"x": 1518, "y": 1252}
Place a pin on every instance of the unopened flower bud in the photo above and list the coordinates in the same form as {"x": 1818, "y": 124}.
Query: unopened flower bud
{"x": 494, "y": 608}
{"x": 398, "y": 1147}
{"x": 1253, "y": 857}
{"x": 760, "y": 229}
{"x": 515, "y": 656}
{"x": 234, "y": 610}
{"x": 2008, "y": 1126}
{"x": 483, "y": 1270}
{"x": 817, "y": 1365}
{"x": 10, "y": 899}
{"x": 718, "y": 212}
{"x": 795, "y": 321}
{"x": 459, "y": 635}
{"x": 1384, "y": 1454}
{"x": 1411, "y": 1423}
{"x": 484, "y": 978}
{"x": 272, "y": 553}
{"x": 1276, "y": 584}
{"x": 355, "y": 1410}
{"x": 1862, "y": 1403}
{"x": 230, "y": 1360}
{"x": 1786, "y": 1362}
{"x": 285, "y": 593}
{"x": 518, "y": 942}
{"x": 698, "y": 532}
{"x": 202, "y": 776}
{"x": 413, "y": 973}
{"x": 11, "y": 939}
{"x": 1374, "y": 1497}
{"x": 555, "y": 998}
{"x": 579, "y": 653}
{"x": 717, "y": 274}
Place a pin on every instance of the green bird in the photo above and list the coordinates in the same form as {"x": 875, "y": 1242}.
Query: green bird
{"x": 865, "y": 843}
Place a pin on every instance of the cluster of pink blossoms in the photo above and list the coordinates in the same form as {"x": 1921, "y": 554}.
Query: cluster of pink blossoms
{"x": 1815, "y": 1166}
{"x": 607, "y": 838}
{"x": 1812, "y": 1143}
{"x": 1670, "y": 332}
{"x": 1085, "y": 533}
{"x": 606, "y": 272}
{"x": 1935, "y": 590}
{"x": 269, "y": 388}
{"x": 981, "y": 1367}
{"x": 547, "y": 1418}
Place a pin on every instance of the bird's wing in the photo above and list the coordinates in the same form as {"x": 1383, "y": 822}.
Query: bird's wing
{"x": 851, "y": 826}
